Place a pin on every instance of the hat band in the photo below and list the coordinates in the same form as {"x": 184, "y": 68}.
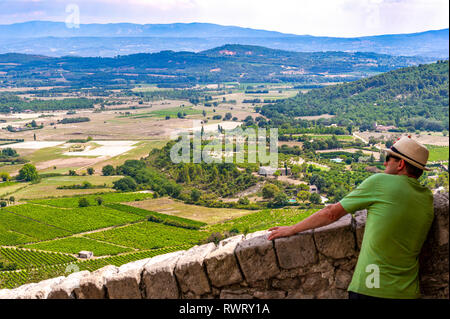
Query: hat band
{"x": 400, "y": 153}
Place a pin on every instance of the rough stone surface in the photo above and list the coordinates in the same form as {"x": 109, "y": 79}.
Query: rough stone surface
{"x": 336, "y": 240}
{"x": 190, "y": 271}
{"x": 125, "y": 284}
{"x": 222, "y": 265}
{"x": 94, "y": 285}
{"x": 42, "y": 290}
{"x": 257, "y": 257}
{"x": 360, "y": 225}
{"x": 65, "y": 289}
{"x": 296, "y": 251}
{"x": 159, "y": 277}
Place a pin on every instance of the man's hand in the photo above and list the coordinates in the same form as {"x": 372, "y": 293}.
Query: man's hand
{"x": 281, "y": 231}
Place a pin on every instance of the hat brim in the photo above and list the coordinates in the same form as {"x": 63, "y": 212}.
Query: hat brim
{"x": 389, "y": 151}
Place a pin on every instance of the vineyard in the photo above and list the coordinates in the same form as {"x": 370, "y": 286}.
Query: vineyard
{"x": 40, "y": 239}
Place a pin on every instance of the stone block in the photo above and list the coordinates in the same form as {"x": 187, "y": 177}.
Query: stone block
{"x": 360, "y": 225}
{"x": 190, "y": 271}
{"x": 314, "y": 284}
{"x": 66, "y": 288}
{"x": 159, "y": 277}
{"x": 296, "y": 251}
{"x": 40, "y": 290}
{"x": 440, "y": 223}
{"x": 256, "y": 257}
{"x": 336, "y": 240}
{"x": 125, "y": 284}
{"x": 93, "y": 286}
{"x": 221, "y": 264}
{"x": 343, "y": 279}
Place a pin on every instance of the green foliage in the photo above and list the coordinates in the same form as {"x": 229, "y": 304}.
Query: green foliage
{"x": 269, "y": 191}
{"x": 28, "y": 173}
{"x": 125, "y": 184}
{"x": 108, "y": 170}
{"x": 412, "y": 98}
{"x": 83, "y": 202}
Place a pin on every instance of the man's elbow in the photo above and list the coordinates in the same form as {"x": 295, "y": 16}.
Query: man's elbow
{"x": 334, "y": 212}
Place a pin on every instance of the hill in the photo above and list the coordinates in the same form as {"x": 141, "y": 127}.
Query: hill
{"x": 413, "y": 97}
{"x": 108, "y": 40}
{"x": 226, "y": 63}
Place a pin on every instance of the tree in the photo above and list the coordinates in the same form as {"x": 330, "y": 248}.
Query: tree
{"x": 126, "y": 184}
{"x": 5, "y": 176}
{"x": 108, "y": 170}
{"x": 72, "y": 172}
{"x": 269, "y": 191}
{"x": 303, "y": 195}
{"x": 28, "y": 173}
{"x": 243, "y": 201}
{"x": 280, "y": 199}
{"x": 90, "y": 171}
{"x": 3, "y": 203}
{"x": 99, "y": 200}
{"x": 315, "y": 198}
{"x": 12, "y": 199}
{"x": 83, "y": 202}
{"x": 195, "y": 195}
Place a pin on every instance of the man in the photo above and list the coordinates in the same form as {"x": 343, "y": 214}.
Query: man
{"x": 399, "y": 216}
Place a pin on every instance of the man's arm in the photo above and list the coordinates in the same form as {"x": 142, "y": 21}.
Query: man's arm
{"x": 323, "y": 217}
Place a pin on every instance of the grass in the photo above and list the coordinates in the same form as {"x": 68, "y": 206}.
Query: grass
{"x": 438, "y": 153}
{"x": 72, "y": 202}
{"x": 207, "y": 215}
{"x": 149, "y": 235}
{"x": 73, "y": 245}
{"x": 48, "y": 186}
{"x": 263, "y": 220}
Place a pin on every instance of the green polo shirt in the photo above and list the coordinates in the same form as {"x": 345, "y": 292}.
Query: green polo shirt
{"x": 399, "y": 216}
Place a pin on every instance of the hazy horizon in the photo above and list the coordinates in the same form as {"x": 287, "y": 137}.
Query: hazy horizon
{"x": 332, "y": 18}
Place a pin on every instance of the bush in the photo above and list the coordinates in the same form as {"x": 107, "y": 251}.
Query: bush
{"x": 269, "y": 191}
{"x": 83, "y": 202}
{"x": 28, "y": 173}
{"x": 126, "y": 184}
{"x": 108, "y": 170}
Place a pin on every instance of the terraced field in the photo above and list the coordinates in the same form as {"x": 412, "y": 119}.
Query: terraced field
{"x": 40, "y": 239}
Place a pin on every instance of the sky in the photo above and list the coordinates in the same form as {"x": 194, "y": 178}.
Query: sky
{"x": 337, "y": 18}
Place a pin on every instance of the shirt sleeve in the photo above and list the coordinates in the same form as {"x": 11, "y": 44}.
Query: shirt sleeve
{"x": 361, "y": 197}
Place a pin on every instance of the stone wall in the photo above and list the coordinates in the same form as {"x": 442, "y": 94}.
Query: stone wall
{"x": 312, "y": 264}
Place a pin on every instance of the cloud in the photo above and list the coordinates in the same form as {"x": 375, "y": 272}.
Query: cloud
{"x": 316, "y": 17}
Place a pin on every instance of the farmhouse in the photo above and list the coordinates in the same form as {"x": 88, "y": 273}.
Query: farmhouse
{"x": 313, "y": 189}
{"x": 85, "y": 254}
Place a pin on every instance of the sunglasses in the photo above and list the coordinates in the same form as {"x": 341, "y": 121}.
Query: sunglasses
{"x": 388, "y": 157}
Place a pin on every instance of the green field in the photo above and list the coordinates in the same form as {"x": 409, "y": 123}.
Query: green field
{"x": 73, "y": 245}
{"x": 172, "y": 112}
{"x": 438, "y": 153}
{"x": 43, "y": 236}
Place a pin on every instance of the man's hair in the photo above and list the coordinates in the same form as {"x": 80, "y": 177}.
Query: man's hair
{"x": 413, "y": 170}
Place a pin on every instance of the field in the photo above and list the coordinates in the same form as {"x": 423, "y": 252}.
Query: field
{"x": 438, "y": 153}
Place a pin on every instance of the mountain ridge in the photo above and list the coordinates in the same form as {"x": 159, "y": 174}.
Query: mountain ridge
{"x": 55, "y": 39}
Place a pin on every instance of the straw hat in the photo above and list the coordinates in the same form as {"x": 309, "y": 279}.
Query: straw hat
{"x": 411, "y": 151}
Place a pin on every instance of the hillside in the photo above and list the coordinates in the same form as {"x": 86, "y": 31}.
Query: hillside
{"x": 414, "y": 97}
{"x": 227, "y": 63}
{"x": 108, "y": 40}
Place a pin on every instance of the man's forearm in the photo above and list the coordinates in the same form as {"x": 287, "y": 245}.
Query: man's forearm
{"x": 323, "y": 217}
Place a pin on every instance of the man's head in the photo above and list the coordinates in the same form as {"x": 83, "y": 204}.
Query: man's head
{"x": 406, "y": 157}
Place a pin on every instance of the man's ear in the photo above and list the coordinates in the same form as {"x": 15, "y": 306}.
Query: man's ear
{"x": 401, "y": 165}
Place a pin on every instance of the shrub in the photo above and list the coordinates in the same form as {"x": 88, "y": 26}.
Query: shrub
{"x": 83, "y": 202}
